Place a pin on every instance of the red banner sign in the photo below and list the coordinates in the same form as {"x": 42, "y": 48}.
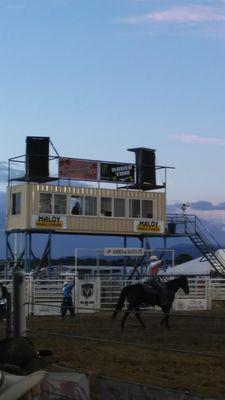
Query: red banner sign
{"x": 78, "y": 169}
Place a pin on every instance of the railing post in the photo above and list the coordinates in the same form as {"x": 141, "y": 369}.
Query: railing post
{"x": 19, "y": 315}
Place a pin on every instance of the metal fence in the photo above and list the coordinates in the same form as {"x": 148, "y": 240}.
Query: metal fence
{"x": 43, "y": 297}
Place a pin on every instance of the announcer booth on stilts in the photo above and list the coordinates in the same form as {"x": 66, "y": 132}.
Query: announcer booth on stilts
{"x": 80, "y": 197}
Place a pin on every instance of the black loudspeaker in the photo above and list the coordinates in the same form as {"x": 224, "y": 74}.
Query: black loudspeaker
{"x": 145, "y": 166}
{"x": 37, "y": 157}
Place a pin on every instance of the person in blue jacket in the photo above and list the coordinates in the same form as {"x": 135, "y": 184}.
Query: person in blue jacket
{"x": 67, "y": 301}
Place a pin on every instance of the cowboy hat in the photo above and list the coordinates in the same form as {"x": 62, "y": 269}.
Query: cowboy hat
{"x": 14, "y": 386}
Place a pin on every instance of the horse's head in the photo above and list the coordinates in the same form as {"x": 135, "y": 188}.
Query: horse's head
{"x": 184, "y": 284}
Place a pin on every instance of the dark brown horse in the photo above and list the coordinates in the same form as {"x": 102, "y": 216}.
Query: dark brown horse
{"x": 140, "y": 293}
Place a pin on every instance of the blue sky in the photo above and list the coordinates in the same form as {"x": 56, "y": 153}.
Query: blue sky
{"x": 99, "y": 77}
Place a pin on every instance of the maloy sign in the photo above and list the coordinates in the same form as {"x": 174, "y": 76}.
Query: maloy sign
{"x": 49, "y": 221}
{"x": 148, "y": 225}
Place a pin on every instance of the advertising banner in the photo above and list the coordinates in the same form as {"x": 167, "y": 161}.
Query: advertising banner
{"x": 49, "y": 221}
{"x": 148, "y": 225}
{"x": 117, "y": 172}
{"x": 87, "y": 296}
{"x": 65, "y": 385}
{"x": 124, "y": 251}
{"x": 112, "y": 389}
{"x": 83, "y": 170}
{"x": 190, "y": 304}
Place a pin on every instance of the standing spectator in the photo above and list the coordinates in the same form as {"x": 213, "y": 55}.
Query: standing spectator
{"x": 3, "y": 301}
{"x": 76, "y": 209}
{"x": 67, "y": 301}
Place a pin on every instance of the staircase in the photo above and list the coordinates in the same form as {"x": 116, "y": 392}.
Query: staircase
{"x": 191, "y": 226}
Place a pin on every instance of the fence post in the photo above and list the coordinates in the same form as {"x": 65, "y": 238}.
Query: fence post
{"x": 76, "y": 294}
{"x": 31, "y": 296}
{"x": 209, "y": 293}
{"x": 98, "y": 304}
{"x": 9, "y": 316}
{"x": 19, "y": 315}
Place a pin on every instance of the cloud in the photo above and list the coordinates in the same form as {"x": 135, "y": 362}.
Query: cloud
{"x": 206, "y": 211}
{"x": 189, "y": 138}
{"x": 20, "y": 4}
{"x": 14, "y": 173}
{"x": 13, "y": 6}
{"x": 202, "y": 206}
{"x": 179, "y": 14}
{"x": 207, "y": 206}
{"x": 3, "y": 171}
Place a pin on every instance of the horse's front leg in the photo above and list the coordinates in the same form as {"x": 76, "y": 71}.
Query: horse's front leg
{"x": 138, "y": 316}
{"x": 125, "y": 316}
{"x": 165, "y": 320}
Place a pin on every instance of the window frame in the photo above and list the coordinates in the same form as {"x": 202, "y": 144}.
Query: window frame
{"x": 50, "y": 195}
{"x": 130, "y": 209}
{"x": 152, "y": 209}
{"x": 54, "y": 203}
{"x": 80, "y": 201}
{"x": 95, "y": 205}
{"x": 114, "y": 207}
{"x": 16, "y": 203}
{"x": 107, "y": 209}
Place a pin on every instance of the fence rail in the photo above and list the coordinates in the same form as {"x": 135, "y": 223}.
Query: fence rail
{"x": 43, "y": 297}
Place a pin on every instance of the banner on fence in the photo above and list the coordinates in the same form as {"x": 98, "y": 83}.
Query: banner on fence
{"x": 66, "y": 385}
{"x": 118, "y": 390}
{"x": 47, "y": 309}
{"x": 87, "y": 296}
{"x": 190, "y": 304}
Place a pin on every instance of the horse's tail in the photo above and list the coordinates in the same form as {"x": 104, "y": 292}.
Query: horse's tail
{"x": 120, "y": 302}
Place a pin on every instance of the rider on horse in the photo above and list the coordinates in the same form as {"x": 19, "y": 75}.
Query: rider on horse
{"x": 154, "y": 281}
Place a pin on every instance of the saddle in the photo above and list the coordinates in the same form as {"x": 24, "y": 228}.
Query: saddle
{"x": 157, "y": 288}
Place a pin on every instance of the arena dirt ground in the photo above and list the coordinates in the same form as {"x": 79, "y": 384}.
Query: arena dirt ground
{"x": 191, "y": 355}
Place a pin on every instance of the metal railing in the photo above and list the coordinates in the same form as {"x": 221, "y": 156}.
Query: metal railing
{"x": 191, "y": 226}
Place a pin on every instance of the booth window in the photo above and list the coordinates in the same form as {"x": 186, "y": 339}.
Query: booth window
{"x": 60, "y": 201}
{"x": 119, "y": 208}
{"x": 147, "y": 209}
{"x": 76, "y": 205}
{"x": 106, "y": 206}
{"x": 134, "y": 208}
{"x": 16, "y": 203}
{"x": 90, "y": 205}
{"x": 45, "y": 204}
